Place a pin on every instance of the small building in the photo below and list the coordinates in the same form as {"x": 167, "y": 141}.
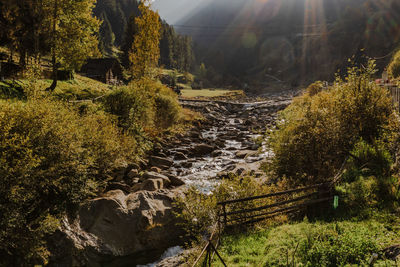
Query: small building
{"x": 106, "y": 70}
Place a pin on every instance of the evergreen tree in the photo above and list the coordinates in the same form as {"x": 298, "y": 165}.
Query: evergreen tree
{"x": 23, "y": 27}
{"x": 106, "y": 36}
{"x": 129, "y": 36}
{"x": 166, "y": 46}
{"x": 120, "y": 25}
{"x": 188, "y": 53}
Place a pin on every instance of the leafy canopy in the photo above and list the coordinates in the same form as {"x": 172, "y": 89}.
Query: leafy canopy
{"x": 145, "y": 50}
{"x": 50, "y": 158}
{"x": 317, "y": 132}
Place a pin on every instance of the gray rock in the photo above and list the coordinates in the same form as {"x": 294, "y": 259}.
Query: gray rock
{"x": 152, "y": 184}
{"x": 137, "y": 228}
{"x": 133, "y": 173}
{"x": 230, "y": 167}
{"x": 240, "y": 171}
{"x": 118, "y": 186}
{"x": 180, "y": 156}
{"x": 216, "y": 153}
{"x": 133, "y": 166}
{"x": 143, "y": 164}
{"x": 222, "y": 175}
{"x": 187, "y": 164}
{"x": 155, "y": 175}
{"x": 155, "y": 169}
{"x": 245, "y": 153}
{"x": 175, "y": 181}
{"x": 202, "y": 150}
{"x": 160, "y": 162}
{"x": 119, "y": 173}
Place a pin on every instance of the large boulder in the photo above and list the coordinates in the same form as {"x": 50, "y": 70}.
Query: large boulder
{"x": 118, "y": 230}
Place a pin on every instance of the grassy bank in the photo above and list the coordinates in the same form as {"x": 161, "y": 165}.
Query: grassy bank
{"x": 344, "y": 243}
{"x": 77, "y": 89}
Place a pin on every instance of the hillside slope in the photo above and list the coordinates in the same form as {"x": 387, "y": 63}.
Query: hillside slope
{"x": 293, "y": 40}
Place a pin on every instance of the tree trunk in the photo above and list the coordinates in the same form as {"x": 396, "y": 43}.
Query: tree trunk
{"x": 55, "y": 78}
{"x": 54, "y": 58}
{"x": 10, "y": 59}
{"x": 22, "y": 58}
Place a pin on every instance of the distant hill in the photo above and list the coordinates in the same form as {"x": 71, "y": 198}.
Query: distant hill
{"x": 291, "y": 40}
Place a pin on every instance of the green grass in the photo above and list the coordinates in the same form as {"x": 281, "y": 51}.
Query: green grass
{"x": 190, "y": 93}
{"x": 79, "y": 88}
{"x": 344, "y": 243}
{"x": 12, "y": 89}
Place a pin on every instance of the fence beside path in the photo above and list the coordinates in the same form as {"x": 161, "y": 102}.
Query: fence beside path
{"x": 394, "y": 91}
{"x": 260, "y": 208}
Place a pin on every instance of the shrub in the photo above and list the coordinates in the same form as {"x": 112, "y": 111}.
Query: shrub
{"x": 143, "y": 105}
{"x": 315, "y": 88}
{"x": 316, "y": 133}
{"x": 131, "y": 105}
{"x": 368, "y": 181}
{"x": 50, "y": 158}
{"x": 319, "y": 244}
{"x": 167, "y": 111}
{"x": 394, "y": 66}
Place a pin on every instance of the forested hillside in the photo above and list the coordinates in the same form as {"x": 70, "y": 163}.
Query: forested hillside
{"x": 118, "y": 30}
{"x": 293, "y": 40}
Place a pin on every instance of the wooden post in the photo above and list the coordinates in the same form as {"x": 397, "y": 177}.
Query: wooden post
{"x": 206, "y": 258}
{"x": 209, "y": 255}
{"x": 224, "y": 211}
{"x": 219, "y": 256}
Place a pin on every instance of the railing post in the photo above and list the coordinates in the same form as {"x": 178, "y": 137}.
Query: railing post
{"x": 224, "y": 211}
{"x": 219, "y": 256}
{"x": 209, "y": 254}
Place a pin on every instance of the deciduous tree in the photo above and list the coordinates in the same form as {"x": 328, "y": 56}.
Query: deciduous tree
{"x": 145, "y": 51}
{"x": 74, "y": 32}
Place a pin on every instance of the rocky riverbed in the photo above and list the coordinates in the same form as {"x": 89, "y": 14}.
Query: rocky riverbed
{"x": 134, "y": 223}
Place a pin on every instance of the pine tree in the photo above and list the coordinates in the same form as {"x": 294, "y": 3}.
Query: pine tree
{"x": 129, "y": 36}
{"x": 106, "y": 36}
{"x": 145, "y": 51}
{"x": 120, "y": 25}
{"x": 23, "y": 27}
{"x": 167, "y": 45}
{"x": 188, "y": 53}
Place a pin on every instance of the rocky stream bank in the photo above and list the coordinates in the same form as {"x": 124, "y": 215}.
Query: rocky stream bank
{"x": 133, "y": 223}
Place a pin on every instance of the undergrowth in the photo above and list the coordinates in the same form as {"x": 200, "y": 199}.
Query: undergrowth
{"x": 344, "y": 243}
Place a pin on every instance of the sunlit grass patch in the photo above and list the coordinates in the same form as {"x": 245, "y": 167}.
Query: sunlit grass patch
{"x": 190, "y": 93}
{"x": 309, "y": 244}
